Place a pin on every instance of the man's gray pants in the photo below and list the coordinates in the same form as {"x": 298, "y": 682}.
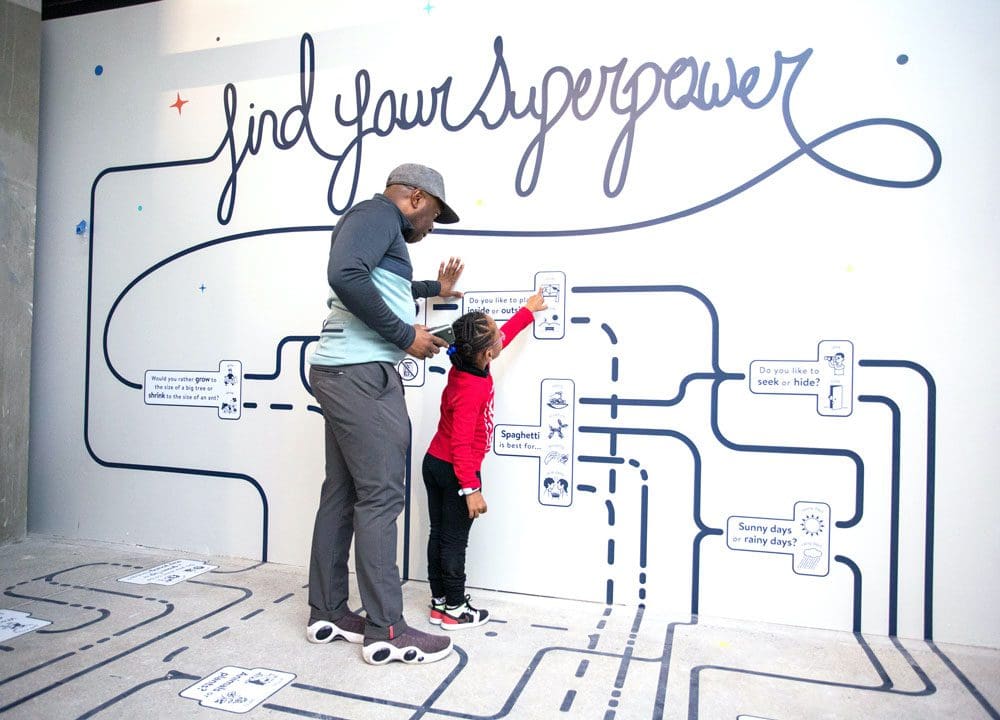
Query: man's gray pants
{"x": 367, "y": 436}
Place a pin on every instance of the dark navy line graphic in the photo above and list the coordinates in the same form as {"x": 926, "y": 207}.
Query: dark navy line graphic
{"x": 973, "y": 690}
{"x": 166, "y": 261}
{"x": 615, "y": 402}
{"x": 86, "y": 401}
{"x": 102, "y": 615}
{"x": 601, "y": 459}
{"x": 856, "y": 574}
{"x": 930, "y": 493}
{"x": 886, "y": 686}
{"x": 700, "y": 296}
{"x": 174, "y": 653}
{"x": 893, "y": 508}
{"x": 668, "y": 648}
{"x": 171, "y": 675}
{"x": 302, "y": 364}
{"x": 924, "y": 678}
{"x": 191, "y": 471}
{"x": 719, "y": 199}
{"x": 427, "y": 707}
{"x": 623, "y": 666}
{"x": 567, "y": 702}
{"x": 697, "y": 671}
{"x": 106, "y": 661}
{"x": 873, "y": 659}
{"x": 637, "y": 621}
{"x": 305, "y": 339}
{"x": 785, "y": 450}
{"x": 167, "y": 610}
{"x": 237, "y": 570}
{"x": 627, "y": 657}
{"x": 643, "y": 525}
{"x": 35, "y": 668}
{"x": 703, "y": 529}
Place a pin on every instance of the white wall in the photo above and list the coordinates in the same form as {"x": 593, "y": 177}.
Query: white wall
{"x": 842, "y": 202}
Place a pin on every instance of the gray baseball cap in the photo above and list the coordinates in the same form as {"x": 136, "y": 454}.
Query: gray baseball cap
{"x": 427, "y": 179}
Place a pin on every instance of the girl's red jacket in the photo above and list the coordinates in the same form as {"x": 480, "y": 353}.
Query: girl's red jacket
{"x": 465, "y": 430}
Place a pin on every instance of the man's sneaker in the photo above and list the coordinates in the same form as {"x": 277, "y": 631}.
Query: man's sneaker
{"x": 437, "y": 612}
{"x": 463, "y": 616}
{"x": 409, "y": 646}
{"x": 351, "y": 628}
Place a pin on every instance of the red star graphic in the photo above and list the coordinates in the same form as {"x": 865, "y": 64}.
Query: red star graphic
{"x": 178, "y": 103}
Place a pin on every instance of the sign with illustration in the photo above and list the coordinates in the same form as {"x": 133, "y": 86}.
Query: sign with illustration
{"x": 237, "y": 690}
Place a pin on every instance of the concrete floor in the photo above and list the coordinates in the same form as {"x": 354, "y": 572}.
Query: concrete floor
{"x": 232, "y": 639}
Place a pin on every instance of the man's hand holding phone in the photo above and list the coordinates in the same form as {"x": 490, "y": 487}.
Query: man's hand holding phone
{"x": 445, "y": 332}
{"x": 425, "y": 345}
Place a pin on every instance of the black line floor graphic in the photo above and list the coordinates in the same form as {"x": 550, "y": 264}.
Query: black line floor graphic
{"x": 103, "y": 631}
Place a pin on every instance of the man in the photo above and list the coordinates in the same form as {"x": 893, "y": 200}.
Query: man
{"x": 354, "y": 379}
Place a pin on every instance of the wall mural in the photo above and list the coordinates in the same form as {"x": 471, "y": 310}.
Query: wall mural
{"x": 755, "y": 392}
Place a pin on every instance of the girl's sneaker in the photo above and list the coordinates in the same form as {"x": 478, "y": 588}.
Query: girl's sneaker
{"x": 463, "y": 616}
{"x": 437, "y": 612}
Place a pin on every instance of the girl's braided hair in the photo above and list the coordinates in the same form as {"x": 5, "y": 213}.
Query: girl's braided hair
{"x": 472, "y": 335}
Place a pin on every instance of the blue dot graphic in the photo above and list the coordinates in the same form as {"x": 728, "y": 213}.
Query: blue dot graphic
{"x": 903, "y": 59}
{"x": 99, "y": 70}
{"x": 140, "y": 208}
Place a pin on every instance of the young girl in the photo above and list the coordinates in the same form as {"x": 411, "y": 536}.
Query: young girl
{"x": 451, "y": 465}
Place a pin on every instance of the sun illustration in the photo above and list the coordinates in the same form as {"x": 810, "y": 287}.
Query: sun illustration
{"x": 812, "y": 524}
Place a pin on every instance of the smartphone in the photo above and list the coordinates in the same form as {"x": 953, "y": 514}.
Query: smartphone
{"x": 445, "y": 332}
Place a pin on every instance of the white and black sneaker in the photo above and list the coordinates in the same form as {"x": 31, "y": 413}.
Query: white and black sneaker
{"x": 437, "y": 611}
{"x": 407, "y": 645}
{"x": 351, "y": 628}
{"x": 463, "y": 616}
